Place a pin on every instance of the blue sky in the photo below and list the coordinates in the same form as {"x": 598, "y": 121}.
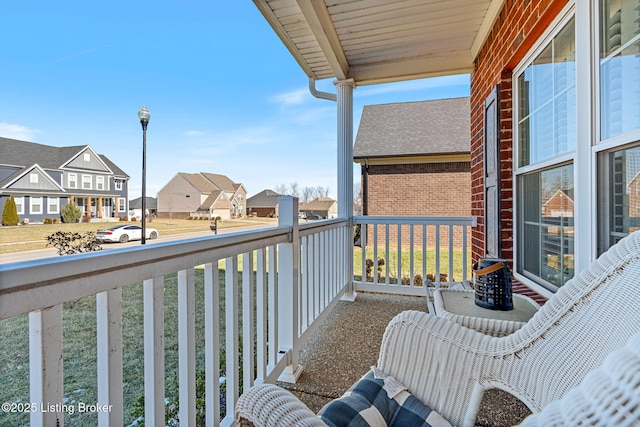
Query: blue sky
{"x": 225, "y": 95}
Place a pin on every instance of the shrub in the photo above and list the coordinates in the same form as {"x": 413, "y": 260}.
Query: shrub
{"x": 68, "y": 242}
{"x": 56, "y": 220}
{"x": 48, "y": 221}
{"x": 123, "y": 218}
{"x": 10, "y": 212}
{"x": 70, "y": 213}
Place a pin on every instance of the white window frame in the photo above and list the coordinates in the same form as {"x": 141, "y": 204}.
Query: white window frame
{"x": 118, "y": 184}
{"x": 122, "y": 205}
{"x": 604, "y": 147}
{"x": 87, "y": 179}
{"x": 543, "y": 41}
{"x": 19, "y": 204}
{"x": 32, "y": 199}
{"x": 86, "y": 157}
{"x": 33, "y": 178}
{"x": 100, "y": 183}
{"x": 56, "y": 209}
{"x": 74, "y": 181}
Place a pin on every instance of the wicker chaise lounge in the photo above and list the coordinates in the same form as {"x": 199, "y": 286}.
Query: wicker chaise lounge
{"x": 545, "y": 364}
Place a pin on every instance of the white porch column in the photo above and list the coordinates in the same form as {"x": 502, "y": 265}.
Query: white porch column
{"x": 344, "y": 90}
{"x": 288, "y": 272}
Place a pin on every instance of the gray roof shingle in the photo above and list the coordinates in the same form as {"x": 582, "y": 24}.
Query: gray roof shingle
{"x": 414, "y": 128}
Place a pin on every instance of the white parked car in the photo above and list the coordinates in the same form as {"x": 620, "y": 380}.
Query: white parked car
{"x": 125, "y": 232}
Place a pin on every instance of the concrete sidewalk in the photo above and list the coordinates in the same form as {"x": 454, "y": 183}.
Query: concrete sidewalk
{"x": 347, "y": 345}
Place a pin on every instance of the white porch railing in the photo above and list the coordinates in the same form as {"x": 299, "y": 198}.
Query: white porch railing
{"x": 297, "y": 278}
{"x": 404, "y": 252}
{"x": 299, "y": 274}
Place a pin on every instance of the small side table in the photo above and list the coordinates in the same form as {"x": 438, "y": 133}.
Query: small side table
{"x": 460, "y": 307}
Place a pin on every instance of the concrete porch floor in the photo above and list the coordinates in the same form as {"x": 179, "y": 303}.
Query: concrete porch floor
{"x": 347, "y": 344}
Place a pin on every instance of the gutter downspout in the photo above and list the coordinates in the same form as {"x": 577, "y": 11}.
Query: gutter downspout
{"x": 318, "y": 94}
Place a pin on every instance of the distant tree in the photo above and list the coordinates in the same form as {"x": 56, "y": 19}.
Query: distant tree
{"x": 281, "y": 189}
{"x": 307, "y": 194}
{"x": 357, "y": 198}
{"x": 70, "y": 213}
{"x": 294, "y": 189}
{"x": 321, "y": 191}
{"x": 10, "y": 213}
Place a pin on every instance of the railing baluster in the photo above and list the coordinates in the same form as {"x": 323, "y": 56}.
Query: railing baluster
{"x": 261, "y": 315}
{"x": 272, "y": 288}
{"x": 109, "y": 356}
{"x": 248, "y": 301}
{"x": 411, "y": 256}
{"x": 231, "y": 333}
{"x": 386, "y": 254}
{"x": 45, "y": 365}
{"x": 186, "y": 346}
{"x": 450, "y": 277}
{"x": 399, "y": 278}
{"x": 212, "y": 342}
{"x": 424, "y": 254}
{"x": 437, "y": 276}
{"x": 465, "y": 267}
{"x": 376, "y": 279}
{"x": 153, "y": 296}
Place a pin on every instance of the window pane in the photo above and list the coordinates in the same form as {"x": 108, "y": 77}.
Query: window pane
{"x": 622, "y": 196}
{"x": 619, "y": 67}
{"x": 546, "y": 101}
{"x": 546, "y": 226}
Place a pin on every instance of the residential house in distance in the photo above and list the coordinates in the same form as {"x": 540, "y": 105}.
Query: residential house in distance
{"x": 201, "y": 194}
{"x": 326, "y": 207}
{"x": 415, "y": 159}
{"x": 43, "y": 179}
{"x": 264, "y": 204}
{"x": 135, "y": 207}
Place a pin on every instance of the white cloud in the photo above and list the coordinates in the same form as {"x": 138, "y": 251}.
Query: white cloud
{"x": 20, "y": 132}
{"x": 294, "y": 97}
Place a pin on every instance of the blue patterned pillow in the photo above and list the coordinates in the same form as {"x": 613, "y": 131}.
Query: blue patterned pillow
{"x": 367, "y": 404}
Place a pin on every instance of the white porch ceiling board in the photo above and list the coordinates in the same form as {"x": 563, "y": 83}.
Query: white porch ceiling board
{"x": 375, "y": 41}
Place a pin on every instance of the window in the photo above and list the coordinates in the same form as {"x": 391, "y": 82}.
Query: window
{"x": 620, "y": 200}
{"x": 53, "y": 205}
{"x": 619, "y": 67}
{"x": 545, "y": 88}
{"x": 19, "y": 204}
{"x": 35, "y": 206}
{"x": 73, "y": 180}
{"x": 33, "y": 178}
{"x": 87, "y": 157}
{"x": 86, "y": 182}
{"x": 118, "y": 184}
{"x": 619, "y": 160}
{"x": 121, "y": 205}
{"x": 99, "y": 182}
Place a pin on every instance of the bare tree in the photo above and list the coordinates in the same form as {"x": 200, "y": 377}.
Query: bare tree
{"x": 307, "y": 194}
{"x": 321, "y": 191}
{"x": 281, "y": 189}
{"x": 357, "y": 198}
{"x": 294, "y": 189}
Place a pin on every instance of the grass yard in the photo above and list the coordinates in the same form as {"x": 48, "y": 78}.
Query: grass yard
{"x": 418, "y": 257}
{"x": 33, "y": 236}
{"x": 79, "y": 352}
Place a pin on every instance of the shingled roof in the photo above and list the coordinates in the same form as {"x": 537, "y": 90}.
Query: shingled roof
{"x": 265, "y": 198}
{"x": 414, "y": 129}
{"x": 26, "y": 154}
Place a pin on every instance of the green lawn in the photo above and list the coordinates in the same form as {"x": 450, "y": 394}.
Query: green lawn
{"x": 79, "y": 351}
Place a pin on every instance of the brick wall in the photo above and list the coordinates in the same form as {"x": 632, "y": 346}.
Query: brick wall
{"x": 517, "y": 28}
{"x": 420, "y": 189}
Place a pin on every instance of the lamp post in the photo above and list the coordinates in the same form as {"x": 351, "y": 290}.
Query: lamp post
{"x": 144, "y": 117}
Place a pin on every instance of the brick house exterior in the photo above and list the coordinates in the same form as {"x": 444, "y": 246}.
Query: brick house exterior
{"x": 414, "y": 159}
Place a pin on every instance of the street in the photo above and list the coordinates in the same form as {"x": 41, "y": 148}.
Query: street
{"x": 52, "y": 252}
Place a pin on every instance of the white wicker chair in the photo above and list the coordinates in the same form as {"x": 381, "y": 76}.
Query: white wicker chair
{"x": 448, "y": 366}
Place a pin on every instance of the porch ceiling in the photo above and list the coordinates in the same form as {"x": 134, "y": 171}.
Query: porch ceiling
{"x": 377, "y": 41}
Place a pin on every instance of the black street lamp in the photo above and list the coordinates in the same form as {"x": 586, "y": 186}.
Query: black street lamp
{"x": 144, "y": 117}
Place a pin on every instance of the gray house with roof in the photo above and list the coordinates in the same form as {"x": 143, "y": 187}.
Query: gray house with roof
{"x": 264, "y": 204}
{"x": 43, "y": 179}
{"x": 415, "y": 158}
